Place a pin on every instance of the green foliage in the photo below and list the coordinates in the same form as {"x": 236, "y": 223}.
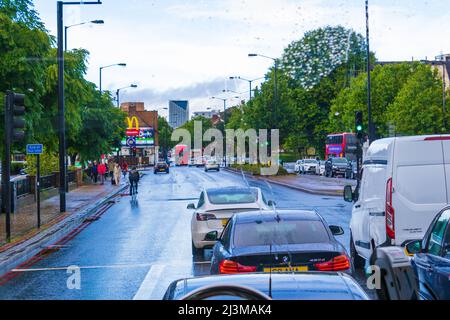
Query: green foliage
{"x": 165, "y": 134}
{"x": 16, "y": 167}
{"x": 255, "y": 169}
{"x": 417, "y": 109}
{"x": 49, "y": 164}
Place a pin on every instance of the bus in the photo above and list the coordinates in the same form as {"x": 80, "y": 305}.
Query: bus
{"x": 181, "y": 155}
{"x": 341, "y": 145}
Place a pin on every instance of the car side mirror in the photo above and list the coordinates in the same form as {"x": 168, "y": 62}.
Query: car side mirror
{"x": 337, "y": 230}
{"x": 413, "y": 247}
{"x": 212, "y": 236}
{"x": 348, "y": 194}
{"x": 191, "y": 206}
{"x": 271, "y": 203}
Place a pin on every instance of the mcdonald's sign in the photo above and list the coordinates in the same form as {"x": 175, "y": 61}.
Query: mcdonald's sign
{"x": 133, "y": 127}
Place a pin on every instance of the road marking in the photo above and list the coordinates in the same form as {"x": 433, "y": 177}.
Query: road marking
{"x": 148, "y": 285}
{"x": 119, "y": 266}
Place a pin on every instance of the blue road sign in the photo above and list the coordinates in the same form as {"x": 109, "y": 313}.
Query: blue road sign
{"x": 35, "y": 148}
{"x": 131, "y": 142}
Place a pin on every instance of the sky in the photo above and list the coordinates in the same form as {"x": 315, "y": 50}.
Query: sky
{"x": 188, "y": 49}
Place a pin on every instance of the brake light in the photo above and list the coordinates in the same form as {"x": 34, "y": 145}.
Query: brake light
{"x": 232, "y": 267}
{"x": 440, "y": 138}
{"x": 390, "y": 211}
{"x": 205, "y": 217}
{"x": 336, "y": 264}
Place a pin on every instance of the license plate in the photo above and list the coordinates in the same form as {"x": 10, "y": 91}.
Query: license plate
{"x": 224, "y": 222}
{"x": 162, "y": 169}
{"x": 286, "y": 269}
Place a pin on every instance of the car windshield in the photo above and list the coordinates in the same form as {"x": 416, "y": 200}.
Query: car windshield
{"x": 284, "y": 232}
{"x": 229, "y": 196}
{"x": 340, "y": 160}
{"x": 311, "y": 161}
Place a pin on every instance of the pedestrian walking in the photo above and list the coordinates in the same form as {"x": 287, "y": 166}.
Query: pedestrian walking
{"x": 117, "y": 174}
{"x": 95, "y": 172}
{"x": 102, "y": 172}
{"x": 111, "y": 165}
{"x": 133, "y": 177}
{"x": 124, "y": 168}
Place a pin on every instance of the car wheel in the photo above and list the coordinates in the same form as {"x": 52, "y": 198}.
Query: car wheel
{"x": 196, "y": 252}
{"x": 358, "y": 261}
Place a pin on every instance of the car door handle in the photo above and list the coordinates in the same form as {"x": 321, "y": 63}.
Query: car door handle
{"x": 357, "y": 206}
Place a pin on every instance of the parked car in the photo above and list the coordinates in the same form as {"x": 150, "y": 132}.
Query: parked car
{"x": 279, "y": 241}
{"x": 338, "y": 167}
{"x": 215, "y": 207}
{"x": 212, "y": 165}
{"x": 320, "y": 169}
{"x": 299, "y": 286}
{"x": 308, "y": 166}
{"x": 431, "y": 261}
{"x": 405, "y": 181}
{"x": 200, "y": 162}
{"x": 298, "y": 166}
{"x": 161, "y": 166}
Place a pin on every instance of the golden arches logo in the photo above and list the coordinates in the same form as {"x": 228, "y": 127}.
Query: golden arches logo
{"x": 133, "y": 121}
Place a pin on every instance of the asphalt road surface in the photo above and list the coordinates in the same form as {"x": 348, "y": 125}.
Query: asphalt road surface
{"x": 135, "y": 250}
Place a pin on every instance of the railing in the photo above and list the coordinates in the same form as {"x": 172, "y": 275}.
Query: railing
{"x": 48, "y": 182}
{"x": 71, "y": 176}
{"x": 23, "y": 187}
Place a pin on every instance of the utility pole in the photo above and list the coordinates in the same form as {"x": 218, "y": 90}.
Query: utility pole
{"x": 369, "y": 95}
{"x": 61, "y": 105}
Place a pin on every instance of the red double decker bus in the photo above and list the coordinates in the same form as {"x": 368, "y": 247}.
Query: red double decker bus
{"x": 343, "y": 145}
{"x": 181, "y": 155}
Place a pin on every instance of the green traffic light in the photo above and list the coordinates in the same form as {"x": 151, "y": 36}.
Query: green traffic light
{"x": 359, "y": 128}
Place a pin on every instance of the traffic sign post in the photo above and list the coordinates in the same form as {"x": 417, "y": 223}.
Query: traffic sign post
{"x": 37, "y": 150}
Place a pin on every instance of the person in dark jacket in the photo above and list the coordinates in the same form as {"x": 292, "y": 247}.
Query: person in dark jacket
{"x": 95, "y": 172}
{"x": 133, "y": 177}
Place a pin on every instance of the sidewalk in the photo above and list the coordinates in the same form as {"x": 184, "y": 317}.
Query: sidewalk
{"x": 24, "y": 222}
{"x": 308, "y": 183}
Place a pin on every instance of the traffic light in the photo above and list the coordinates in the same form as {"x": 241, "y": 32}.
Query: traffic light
{"x": 359, "y": 124}
{"x": 17, "y": 111}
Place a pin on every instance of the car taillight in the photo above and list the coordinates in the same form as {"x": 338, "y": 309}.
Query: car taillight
{"x": 336, "y": 264}
{"x": 390, "y": 212}
{"x": 205, "y": 217}
{"x": 232, "y": 267}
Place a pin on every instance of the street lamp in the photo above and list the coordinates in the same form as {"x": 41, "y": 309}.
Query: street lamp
{"x": 249, "y": 81}
{"x": 118, "y": 93}
{"x": 275, "y": 75}
{"x": 61, "y": 104}
{"x": 76, "y": 25}
{"x": 111, "y": 65}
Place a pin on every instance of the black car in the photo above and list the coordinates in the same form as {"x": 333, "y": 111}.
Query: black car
{"x": 161, "y": 167}
{"x": 279, "y": 241}
{"x": 300, "y": 286}
{"x": 338, "y": 167}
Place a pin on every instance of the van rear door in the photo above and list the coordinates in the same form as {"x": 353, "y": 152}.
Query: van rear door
{"x": 419, "y": 186}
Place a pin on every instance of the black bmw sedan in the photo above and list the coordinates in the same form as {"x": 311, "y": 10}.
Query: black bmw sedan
{"x": 277, "y": 242}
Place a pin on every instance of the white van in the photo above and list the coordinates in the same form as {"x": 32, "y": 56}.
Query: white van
{"x": 405, "y": 181}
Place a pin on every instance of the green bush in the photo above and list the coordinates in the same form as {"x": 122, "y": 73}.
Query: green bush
{"x": 49, "y": 164}
{"x": 255, "y": 169}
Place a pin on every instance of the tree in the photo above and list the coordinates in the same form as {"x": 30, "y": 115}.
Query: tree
{"x": 22, "y": 12}
{"x": 164, "y": 135}
{"x": 417, "y": 109}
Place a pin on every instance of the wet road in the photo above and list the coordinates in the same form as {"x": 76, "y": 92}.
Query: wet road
{"x": 134, "y": 251}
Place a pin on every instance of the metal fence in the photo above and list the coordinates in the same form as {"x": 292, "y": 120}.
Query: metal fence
{"x": 48, "y": 182}
{"x": 71, "y": 177}
{"x": 23, "y": 187}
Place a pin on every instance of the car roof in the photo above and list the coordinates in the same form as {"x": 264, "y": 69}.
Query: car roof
{"x": 270, "y": 215}
{"x": 285, "y": 286}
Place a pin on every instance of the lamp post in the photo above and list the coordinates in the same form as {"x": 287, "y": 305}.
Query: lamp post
{"x": 61, "y": 105}
{"x": 111, "y": 65}
{"x": 76, "y": 25}
{"x": 118, "y": 93}
{"x": 249, "y": 81}
{"x": 369, "y": 94}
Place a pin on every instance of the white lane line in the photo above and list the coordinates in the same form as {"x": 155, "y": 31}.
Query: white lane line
{"x": 120, "y": 266}
{"x": 148, "y": 285}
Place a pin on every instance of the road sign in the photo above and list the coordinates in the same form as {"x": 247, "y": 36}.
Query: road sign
{"x": 131, "y": 142}
{"x": 34, "y": 148}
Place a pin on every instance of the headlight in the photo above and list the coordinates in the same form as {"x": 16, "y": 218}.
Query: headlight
{"x": 334, "y": 167}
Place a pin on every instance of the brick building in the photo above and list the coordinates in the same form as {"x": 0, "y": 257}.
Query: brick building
{"x": 147, "y": 144}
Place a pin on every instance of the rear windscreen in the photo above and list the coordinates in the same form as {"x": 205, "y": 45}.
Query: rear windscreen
{"x": 279, "y": 233}
{"x": 232, "y": 196}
